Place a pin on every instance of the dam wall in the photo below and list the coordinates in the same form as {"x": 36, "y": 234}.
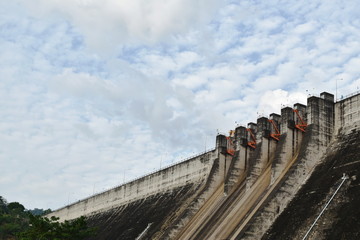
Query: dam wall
{"x": 193, "y": 170}
{"x": 237, "y": 190}
{"x": 163, "y": 214}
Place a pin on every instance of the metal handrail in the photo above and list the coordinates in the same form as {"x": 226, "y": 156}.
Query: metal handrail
{"x": 167, "y": 166}
{"x": 348, "y": 96}
{"x": 327, "y": 204}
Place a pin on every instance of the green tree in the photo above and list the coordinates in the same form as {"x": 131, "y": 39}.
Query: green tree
{"x": 16, "y": 223}
{"x": 13, "y": 219}
{"x": 43, "y": 228}
{"x": 16, "y": 207}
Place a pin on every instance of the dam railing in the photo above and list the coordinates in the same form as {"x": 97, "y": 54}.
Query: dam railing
{"x": 140, "y": 177}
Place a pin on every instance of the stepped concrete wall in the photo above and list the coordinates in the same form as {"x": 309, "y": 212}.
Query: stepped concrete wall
{"x": 321, "y": 115}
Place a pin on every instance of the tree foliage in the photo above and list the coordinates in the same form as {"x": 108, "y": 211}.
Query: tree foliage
{"x": 43, "y": 228}
{"x": 16, "y": 207}
{"x": 16, "y": 223}
{"x": 13, "y": 219}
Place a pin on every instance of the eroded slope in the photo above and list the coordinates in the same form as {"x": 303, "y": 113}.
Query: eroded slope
{"x": 340, "y": 220}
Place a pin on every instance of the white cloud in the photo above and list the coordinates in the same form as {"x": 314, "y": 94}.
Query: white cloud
{"x": 108, "y": 23}
{"x": 305, "y": 28}
{"x": 270, "y": 23}
{"x": 191, "y": 82}
{"x": 273, "y": 101}
{"x": 352, "y": 66}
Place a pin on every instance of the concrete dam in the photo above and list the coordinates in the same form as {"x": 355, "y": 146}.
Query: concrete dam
{"x": 288, "y": 176}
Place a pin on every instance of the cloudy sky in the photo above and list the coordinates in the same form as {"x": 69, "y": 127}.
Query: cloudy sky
{"x": 97, "y": 92}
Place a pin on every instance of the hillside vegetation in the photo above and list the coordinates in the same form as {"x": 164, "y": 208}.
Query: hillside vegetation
{"x": 17, "y": 223}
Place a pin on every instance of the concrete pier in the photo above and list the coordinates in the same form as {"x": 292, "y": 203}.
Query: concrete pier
{"x": 262, "y": 154}
{"x": 288, "y": 143}
{"x": 238, "y": 163}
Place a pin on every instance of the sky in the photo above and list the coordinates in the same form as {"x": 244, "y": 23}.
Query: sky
{"x": 94, "y": 93}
